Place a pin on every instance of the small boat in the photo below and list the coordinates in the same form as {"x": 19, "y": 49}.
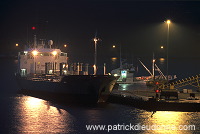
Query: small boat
{"x": 156, "y": 80}
{"x": 44, "y": 72}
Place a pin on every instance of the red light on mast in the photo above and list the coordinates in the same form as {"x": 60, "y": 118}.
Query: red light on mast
{"x": 33, "y": 28}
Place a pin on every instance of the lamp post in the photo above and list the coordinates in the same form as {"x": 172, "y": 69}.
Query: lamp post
{"x": 54, "y": 63}
{"x": 120, "y": 55}
{"x": 95, "y": 39}
{"x": 34, "y": 56}
{"x": 168, "y": 26}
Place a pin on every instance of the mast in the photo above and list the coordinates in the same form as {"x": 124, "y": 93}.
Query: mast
{"x": 146, "y": 68}
{"x": 153, "y": 67}
{"x": 35, "y": 42}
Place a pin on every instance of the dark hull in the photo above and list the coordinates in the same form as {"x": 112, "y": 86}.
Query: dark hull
{"x": 72, "y": 88}
{"x": 153, "y": 105}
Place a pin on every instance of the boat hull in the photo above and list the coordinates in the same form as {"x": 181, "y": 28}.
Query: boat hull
{"x": 76, "y": 88}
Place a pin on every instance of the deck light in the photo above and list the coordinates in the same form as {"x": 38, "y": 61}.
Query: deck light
{"x": 34, "y": 52}
{"x": 54, "y": 53}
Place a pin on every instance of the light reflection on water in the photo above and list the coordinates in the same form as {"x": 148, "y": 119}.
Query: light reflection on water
{"x": 36, "y": 115}
{"x": 135, "y": 86}
{"x": 33, "y": 115}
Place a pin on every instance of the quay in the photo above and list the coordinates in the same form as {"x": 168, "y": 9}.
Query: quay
{"x": 147, "y": 100}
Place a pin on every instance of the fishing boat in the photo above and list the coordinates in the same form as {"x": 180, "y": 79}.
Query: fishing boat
{"x": 44, "y": 72}
{"x": 156, "y": 80}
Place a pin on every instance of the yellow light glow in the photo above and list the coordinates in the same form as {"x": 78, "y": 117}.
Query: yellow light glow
{"x": 114, "y": 59}
{"x": 167, "y": 121}
{"x": 161, "y": 47}
{"x": 17, "y": 45}
{"x": 34, "y": 52}
{"x": 168, "y": 21}
{"x": 113, "y": 46}
{"x": 34, "y": 102}
{"x": 65, "y": 45}
{"x": 162, "y": 59}
{"x": 54, "y": 53}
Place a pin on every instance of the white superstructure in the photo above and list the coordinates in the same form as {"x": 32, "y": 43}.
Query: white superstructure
{"x": 41, "y": 60}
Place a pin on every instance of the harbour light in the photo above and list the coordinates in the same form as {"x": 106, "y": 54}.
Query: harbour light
{"x": 168, "y": 21}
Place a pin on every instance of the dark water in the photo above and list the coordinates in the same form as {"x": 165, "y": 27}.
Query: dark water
{"x": 26, "y": 115}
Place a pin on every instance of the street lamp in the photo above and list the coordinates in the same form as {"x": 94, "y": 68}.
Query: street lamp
{"x": 168, "y": 26}
{"x": 54, "y": 63}
{"x": 34, "y": 56}
{"x": 120, "y": 55}
{"x": 95, "y": 39}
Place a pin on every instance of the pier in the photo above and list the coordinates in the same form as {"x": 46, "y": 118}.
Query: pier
{"x": 147, "y": 100}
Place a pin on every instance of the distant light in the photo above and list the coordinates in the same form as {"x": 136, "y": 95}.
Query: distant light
{"x": 114, "y": 59}
{"x": 65, "y": 45}
{"x": 54, "y": 53}
{"x": 115, "y": 75}
{"x": 168, "y": 21}
{"x": 17, "y": 45}
{"x": 96, "y": 39}
{"x": 162, "y": 59}
{"x": 161, "y": 47}
{"x": 34, "y": 52}
{"x": 33, "y": 28}
{"x": 113, "y": 46}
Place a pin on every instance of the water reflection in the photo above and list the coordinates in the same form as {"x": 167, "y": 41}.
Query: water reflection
{"x": 36, "y": 115}
{"x": 165, "y": 122}
{"x": 140, "y": 85}
{"x": 32, "y": 115}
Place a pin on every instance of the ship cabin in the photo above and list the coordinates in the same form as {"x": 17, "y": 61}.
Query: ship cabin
{"x": 40, "y": 60}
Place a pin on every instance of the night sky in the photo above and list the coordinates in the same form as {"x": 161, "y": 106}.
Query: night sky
{"x": 137, "y": 26}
